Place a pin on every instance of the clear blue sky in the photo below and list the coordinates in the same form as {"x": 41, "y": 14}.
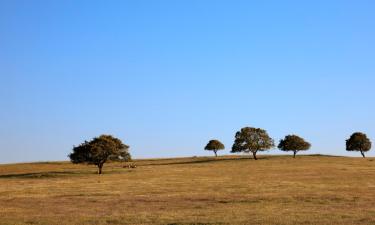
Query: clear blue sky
{"x": 167, "y": 76}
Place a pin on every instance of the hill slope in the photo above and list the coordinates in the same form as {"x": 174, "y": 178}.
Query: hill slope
{"x": 226, "y": 190}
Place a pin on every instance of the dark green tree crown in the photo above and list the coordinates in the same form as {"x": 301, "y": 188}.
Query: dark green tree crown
{"x": 358, "y": 142}
{"x": 99, "y": 150}
{"x": 251, "y": 139}
{"x": 293, "y": 143}
{"x": 214, "y": 145}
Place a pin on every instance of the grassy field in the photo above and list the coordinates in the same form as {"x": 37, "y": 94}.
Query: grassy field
{"x": 201, "y": 190}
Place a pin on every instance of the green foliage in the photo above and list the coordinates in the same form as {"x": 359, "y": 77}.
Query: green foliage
{"x": 214, "y": 145}
{"x": 293, "y": 143}
{"x": 99, "y": 150}
{"x": 358, "y": 142}
{"x": 250, "y": 139}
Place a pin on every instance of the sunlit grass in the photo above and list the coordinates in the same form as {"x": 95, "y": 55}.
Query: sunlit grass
{"x": 199, "y": 190}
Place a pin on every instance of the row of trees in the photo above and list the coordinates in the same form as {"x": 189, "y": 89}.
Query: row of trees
{"x": 252, "y": 140}
{"x": 248, "y": 140}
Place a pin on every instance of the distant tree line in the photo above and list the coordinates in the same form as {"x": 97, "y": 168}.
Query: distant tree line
{"x": 249, "y": 140}
{"x": 253, "y": 140}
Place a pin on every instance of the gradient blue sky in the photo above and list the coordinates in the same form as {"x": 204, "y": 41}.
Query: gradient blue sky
{"x": 167, "y": 76}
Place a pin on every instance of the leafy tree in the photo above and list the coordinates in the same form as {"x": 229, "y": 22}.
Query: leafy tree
{"x": 214, "y": 145}
{"x": 358, "y": 142}
{"x": 99, "y": 150}
{"x": 124, "y": 157}
{"x": 293, "y": 143}
{"x": 250, "y": 139}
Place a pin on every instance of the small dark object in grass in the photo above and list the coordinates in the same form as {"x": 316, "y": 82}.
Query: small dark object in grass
{"x": 130, "y": 166}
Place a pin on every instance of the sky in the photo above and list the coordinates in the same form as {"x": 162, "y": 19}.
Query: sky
{"x": 167, "y": 76}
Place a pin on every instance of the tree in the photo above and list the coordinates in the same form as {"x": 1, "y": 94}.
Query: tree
{"x": 214, "y": 145}
{"x": 250, "y": 139}
{"x": 293, "y": 143}
{"x": 358, "y": 142}
{"x": 99, "y": 150}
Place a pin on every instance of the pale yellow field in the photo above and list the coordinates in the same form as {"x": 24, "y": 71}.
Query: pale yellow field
{"x": 203, "y": 190}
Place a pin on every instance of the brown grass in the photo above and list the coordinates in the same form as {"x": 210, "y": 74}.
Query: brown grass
{"x": 202, "y": 190}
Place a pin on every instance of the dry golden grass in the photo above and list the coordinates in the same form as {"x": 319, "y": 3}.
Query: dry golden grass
{"x": 203, "y": 190}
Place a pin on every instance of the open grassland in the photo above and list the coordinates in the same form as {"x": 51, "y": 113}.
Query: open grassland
{"x": 202, "y": 190}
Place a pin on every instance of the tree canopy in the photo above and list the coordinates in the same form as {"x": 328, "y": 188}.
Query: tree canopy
{"x": 250, "y": 139}
{"x": 214, "y": 145}
{"x": 99, "y": 150}
{"x": 358, "y": 142}
{"x": 293, "y": 143}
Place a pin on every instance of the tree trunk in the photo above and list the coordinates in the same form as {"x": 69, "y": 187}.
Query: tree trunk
{"x": 100, "y": 167}
{"x": 363, "y": 154}
{"x": 255, "y": 155}
{"x": 215, "y": 153}
{"x": 294, "y": 155}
